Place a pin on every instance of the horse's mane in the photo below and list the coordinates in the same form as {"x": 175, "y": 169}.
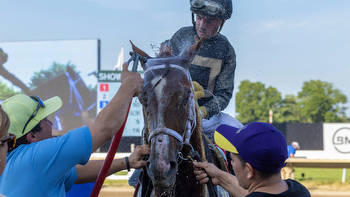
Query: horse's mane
{"x": 198, "y": 132}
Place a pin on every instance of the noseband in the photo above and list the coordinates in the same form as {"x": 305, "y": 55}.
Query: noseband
{"x": 191, "y": 122}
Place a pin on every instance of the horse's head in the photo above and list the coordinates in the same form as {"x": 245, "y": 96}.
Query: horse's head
{"x": 170, "y": 116}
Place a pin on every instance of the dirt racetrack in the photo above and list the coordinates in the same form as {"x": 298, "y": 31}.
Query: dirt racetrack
{"x": 115, "y": 192}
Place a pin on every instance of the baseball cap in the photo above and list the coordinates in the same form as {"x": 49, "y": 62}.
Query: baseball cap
{"x": 20, "y": 109}
{"x": 296, "y": 144}
{"x": 260, "y": 144}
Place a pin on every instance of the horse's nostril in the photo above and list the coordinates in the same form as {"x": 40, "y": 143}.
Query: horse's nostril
{"x": 173, "y": 168}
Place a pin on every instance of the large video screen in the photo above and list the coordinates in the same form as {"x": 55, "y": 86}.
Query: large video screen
{"x": 64, "y": 68}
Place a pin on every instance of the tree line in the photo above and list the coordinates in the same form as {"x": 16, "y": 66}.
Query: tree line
{"x": 318, "y": 101}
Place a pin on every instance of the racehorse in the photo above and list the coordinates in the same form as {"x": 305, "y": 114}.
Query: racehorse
{"x": 172, "y": 126}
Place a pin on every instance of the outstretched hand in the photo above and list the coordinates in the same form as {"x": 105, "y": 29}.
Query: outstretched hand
{"x": 136, "y": 158}
{"x": 131, "y": 79}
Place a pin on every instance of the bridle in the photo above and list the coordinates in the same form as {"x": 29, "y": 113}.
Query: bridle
{"x": 191, "y": 123}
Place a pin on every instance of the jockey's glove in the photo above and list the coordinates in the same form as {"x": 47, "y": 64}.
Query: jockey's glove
{"x": 198, "y": 90}
{"x": 204, "y": 112}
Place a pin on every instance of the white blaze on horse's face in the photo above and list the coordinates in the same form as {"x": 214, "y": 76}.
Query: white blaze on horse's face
{"x": 159, "y": 92}
{"x": 161, "y": 141}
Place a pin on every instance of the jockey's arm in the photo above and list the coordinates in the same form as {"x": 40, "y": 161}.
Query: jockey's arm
{"x": 224, "y": 85}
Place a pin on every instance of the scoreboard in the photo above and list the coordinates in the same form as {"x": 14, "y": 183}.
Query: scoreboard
{"x": 108, "y": 85}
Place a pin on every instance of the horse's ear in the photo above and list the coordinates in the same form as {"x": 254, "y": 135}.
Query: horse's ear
{"x": 191, "y": 51}
{"x": 140, "y": 52}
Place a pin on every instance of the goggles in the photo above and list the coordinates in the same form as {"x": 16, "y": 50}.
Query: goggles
{"x": 39, "y": 105}
{"x": 207, "y": 7}
{"x": 10, "y": 139}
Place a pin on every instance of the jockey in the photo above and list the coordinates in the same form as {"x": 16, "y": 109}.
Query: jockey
{"x": 213, "y": 67}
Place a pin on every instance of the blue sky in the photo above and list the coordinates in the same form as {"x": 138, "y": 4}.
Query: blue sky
{"x": 281, "y": 43}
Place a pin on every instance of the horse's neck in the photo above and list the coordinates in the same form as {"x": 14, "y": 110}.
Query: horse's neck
{"x": 186, "y": 183}
{"x": 196, "y": 138}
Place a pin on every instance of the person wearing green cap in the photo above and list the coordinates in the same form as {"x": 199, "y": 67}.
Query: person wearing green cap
{"x": 258, "y": 152}
{"x": 6, "y": 140}
{"x": 41, "y": 165}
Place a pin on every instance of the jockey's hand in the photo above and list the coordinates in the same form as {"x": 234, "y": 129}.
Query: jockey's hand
{"x": 198, "y": 90}
{"x": 131, "y": 79}
{"x": 136, "y": 158}
{"x": 204, "y": 111}
{"x": 204, "y": 170}
{"x": 199, "y": 93}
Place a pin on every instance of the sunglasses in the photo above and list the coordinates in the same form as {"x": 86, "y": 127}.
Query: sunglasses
{"x": 10, "y": 139}
{"x": 39, "y": 105}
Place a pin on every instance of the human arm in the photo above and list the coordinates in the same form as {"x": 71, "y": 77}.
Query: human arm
{"x": 111, "y": 118}
{"x": 291, "y": 155}
{"x": 291, "y": 151}
{"x": 181, "y": 40}
{"x": 3, "y": 154}
{"x": 204, "y": 170}
{"x": 89, "y": 172}
{"x": 224, "y": 84}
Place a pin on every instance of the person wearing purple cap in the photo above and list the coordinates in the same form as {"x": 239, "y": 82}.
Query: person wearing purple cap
{"x": 258, "y": 152}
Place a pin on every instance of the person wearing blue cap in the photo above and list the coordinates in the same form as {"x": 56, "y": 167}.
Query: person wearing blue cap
{"x": 40, "y": 165}
{"x": 258, "y": 152}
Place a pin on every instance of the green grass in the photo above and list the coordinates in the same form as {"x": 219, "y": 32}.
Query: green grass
{"x": 321, "y": 175}
{"x": 323, "y": 179}
{"x": 123, "y": 172}
{"x": 116, "y": 183}
{"x": 326, "y": 179}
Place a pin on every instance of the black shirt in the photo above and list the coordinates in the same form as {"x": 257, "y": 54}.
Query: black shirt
{"x": 295, "y": 189}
